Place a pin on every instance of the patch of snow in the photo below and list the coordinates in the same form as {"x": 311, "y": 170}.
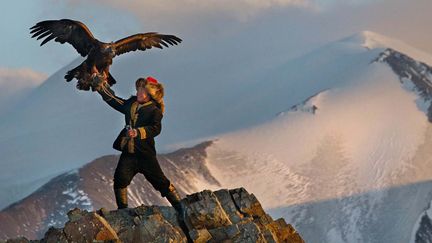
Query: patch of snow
{"x": 78, "y": 197}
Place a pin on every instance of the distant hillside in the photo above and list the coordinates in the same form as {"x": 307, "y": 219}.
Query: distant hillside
{"x": 90, "y": 187}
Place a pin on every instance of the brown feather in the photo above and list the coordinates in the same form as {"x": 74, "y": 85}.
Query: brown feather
{"x": 48, "y": 39}
{"x": 65, "y": 30}
{"x": 144, "y": 41}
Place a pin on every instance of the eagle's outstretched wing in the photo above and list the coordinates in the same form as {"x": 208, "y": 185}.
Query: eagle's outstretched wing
{"x": 65, "y": 30}
{"x": 143, "y": 42}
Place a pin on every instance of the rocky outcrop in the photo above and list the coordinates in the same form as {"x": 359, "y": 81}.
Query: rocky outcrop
{"x": 220, "y": 216}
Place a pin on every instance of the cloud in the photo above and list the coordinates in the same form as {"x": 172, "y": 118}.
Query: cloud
{"x": 160, "y": 12}
{"x": 168, "y": 11}
{"x": 166, "y": 8}
{"x": 15, "y": 80}
{"x": 208, "y": 17}
{"x": 15, "y": 84}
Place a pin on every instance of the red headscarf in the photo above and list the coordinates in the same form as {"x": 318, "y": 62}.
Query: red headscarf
{"x": 151, "y": 80}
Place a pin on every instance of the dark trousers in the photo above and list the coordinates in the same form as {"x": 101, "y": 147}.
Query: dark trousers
{"x": 131, "y": 164}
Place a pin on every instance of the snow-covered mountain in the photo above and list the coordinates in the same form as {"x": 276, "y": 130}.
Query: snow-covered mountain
{"x": 351, "y": 162}
{"x": 336, "y": 141}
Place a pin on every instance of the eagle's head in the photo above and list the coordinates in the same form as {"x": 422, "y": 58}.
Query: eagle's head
{"x": 108, "y": 50}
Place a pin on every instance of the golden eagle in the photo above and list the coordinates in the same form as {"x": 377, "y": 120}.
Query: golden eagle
{"x": 99, "y": 54}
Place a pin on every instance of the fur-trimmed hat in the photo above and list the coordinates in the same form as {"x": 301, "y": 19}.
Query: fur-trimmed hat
{"x": 156, "y": 91}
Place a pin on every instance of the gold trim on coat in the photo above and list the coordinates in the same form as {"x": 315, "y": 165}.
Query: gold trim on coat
{"x": 143, "y": 133}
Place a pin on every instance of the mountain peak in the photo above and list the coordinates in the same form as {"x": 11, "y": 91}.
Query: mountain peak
{"x": 372, "y": 40}
{"x": 375, "y": 40}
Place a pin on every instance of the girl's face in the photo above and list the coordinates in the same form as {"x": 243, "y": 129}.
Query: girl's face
{"x": 142, "y": 95}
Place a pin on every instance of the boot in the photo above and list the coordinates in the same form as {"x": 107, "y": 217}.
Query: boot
{"x": 121, "y": 197}
{"x": 175, "y": 200}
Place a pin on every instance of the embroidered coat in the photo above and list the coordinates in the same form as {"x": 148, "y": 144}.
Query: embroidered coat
{"x": 145, "y": 118}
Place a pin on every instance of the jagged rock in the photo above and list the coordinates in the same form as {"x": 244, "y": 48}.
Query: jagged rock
{"x": 205, "y": 211}
{"x": 54, "y": 235}
{"x": 221, "y": 216}
{"x": 200, "y": 235}
{"x": 17, "y": 240}
{"x": 86, "y": 227}
{"x": 249, "y": 232}
{"x": 228, "y": 205}
{"x": 146, "y": 224}
{"x": 247, "y": 203}
{"x": 224, "y": 232}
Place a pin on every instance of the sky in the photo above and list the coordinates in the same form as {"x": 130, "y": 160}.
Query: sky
{"x": 279, "y": 29}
